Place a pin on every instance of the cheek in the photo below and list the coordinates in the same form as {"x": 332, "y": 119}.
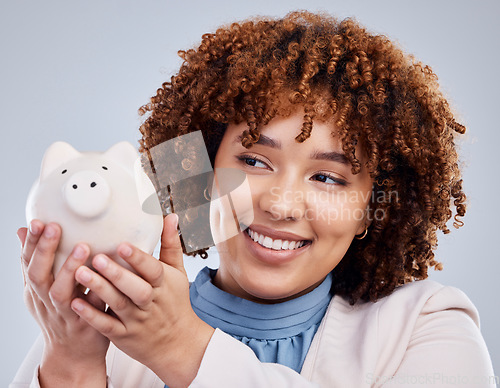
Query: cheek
{"x": 230, "y": 207}
{"x": 339, "y": 214}
{"x": 242, "y": 203}
{"x": 222, "y": 226}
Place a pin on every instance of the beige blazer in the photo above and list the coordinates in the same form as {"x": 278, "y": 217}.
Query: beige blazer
{"x": 424, "y": 333}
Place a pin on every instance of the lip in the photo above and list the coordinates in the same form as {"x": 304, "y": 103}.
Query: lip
{"x": 276, "y": 234}
{"x": 271, "y": 256}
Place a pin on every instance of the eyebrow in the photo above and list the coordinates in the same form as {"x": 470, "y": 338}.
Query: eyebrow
{"x": 331, "y": 156}
{"x": 263, "y": 140}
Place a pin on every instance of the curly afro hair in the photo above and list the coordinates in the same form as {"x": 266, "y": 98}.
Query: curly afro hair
{"x": 261, "y": 68}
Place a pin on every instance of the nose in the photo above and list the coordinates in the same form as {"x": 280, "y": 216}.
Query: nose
{"x": 87, "y": 194}
{"x": 284, "y": 199}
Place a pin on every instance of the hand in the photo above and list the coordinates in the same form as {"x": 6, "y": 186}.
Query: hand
{"x": 71, "y": 345}
{"x": 153, "y": 320}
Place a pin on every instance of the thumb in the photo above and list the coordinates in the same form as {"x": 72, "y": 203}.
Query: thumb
{"x": 171, "y": 248}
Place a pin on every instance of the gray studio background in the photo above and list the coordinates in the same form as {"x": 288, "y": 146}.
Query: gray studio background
{"x": 78, "y": 71}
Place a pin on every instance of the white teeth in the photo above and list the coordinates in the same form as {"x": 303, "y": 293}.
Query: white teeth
{"x": 277, "y": 245}
{"x": 268, "y": 242}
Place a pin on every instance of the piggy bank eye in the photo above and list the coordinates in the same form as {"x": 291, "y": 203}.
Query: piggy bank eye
{"x": 64, "y": 171}
{"x": 104, "y": 168}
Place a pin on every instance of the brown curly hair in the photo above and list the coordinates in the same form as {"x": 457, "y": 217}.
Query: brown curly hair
{"x": 264, "y": 67}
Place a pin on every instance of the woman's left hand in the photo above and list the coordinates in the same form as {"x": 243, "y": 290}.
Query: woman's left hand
{"x": 151, "y": 316}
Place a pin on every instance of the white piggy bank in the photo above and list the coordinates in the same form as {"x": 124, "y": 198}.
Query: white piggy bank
{"x": 97, "y": 198}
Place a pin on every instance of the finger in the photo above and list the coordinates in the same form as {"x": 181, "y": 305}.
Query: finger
{"x": 171, "y": 248}
{"x": 40, "y": 266}
{"x": 138, "y": 290}
{"x": 36, "y": 228}
{"x": 104, "y": 323}
{"x": 21, "y": 234}
{"x": 86, "y": 294}
{"x": 82, "y": 290}
{"x": 95, "y": 301}
{"x": 146, "y": 265}
{"x": 62, "y": 290}
{"x": 106, "y": 291}
{"x": 36, "y": 306}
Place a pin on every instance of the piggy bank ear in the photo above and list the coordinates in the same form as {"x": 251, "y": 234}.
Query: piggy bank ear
{"x": 55, "y": 156}
{"x": 124, "y": 154}
{"x": 146, "y": 192}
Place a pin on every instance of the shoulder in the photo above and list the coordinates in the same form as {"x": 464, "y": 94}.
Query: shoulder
{"x": 429, "y": 297}
{"x": 423, "y": 308}
{"x": 417, "y": 317}
{"x": 409, "y": 301}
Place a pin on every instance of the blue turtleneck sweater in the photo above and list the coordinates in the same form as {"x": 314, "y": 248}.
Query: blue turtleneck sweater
{"x": 279, "y": 333}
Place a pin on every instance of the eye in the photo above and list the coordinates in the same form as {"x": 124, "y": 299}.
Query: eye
{"x": 251, "y": 161}
{"x": 329, "y": 179}
{"x": 104, "y": 168}
{"x": 64, "y": 171}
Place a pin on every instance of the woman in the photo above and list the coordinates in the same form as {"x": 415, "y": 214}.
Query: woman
{"x": 348, "y": 150}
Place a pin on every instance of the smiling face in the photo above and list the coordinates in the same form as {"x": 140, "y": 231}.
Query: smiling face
{"x": 303, "y": 196}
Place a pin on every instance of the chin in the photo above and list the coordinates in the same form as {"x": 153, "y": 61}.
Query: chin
{"x": 268, "y": 289}
{"x": 258, "y": 281}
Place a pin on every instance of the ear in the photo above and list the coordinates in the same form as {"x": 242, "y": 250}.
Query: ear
{"x": 56, "y": 155}
{"x": 146, "y": 192}
{"x": 123, "y": 153}
{"x": 367, "y": 221}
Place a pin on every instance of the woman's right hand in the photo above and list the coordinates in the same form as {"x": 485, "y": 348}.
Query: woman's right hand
{"x": 74, "y": 351}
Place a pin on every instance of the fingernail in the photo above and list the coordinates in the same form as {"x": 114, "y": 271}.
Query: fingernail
{"x": 79, "y": 252}
{"x": 176, "y": 220}
{"x": 77, "y": 305}
{"x": 125, "y": 250}
{"x": 84, "y": 274}
{"x": 49, "y": 231}
{"x": 100, "y": 262}
{"x": 34, "y": 229}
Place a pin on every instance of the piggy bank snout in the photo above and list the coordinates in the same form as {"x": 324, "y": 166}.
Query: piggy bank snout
{"x": 87, "y": 194}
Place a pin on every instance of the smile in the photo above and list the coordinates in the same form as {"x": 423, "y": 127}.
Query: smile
{"x": 277, "y": 244}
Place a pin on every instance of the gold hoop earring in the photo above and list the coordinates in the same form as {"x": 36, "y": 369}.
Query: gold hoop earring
{"x": 363, "y": 236}
{"x": 206, "y": 195}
